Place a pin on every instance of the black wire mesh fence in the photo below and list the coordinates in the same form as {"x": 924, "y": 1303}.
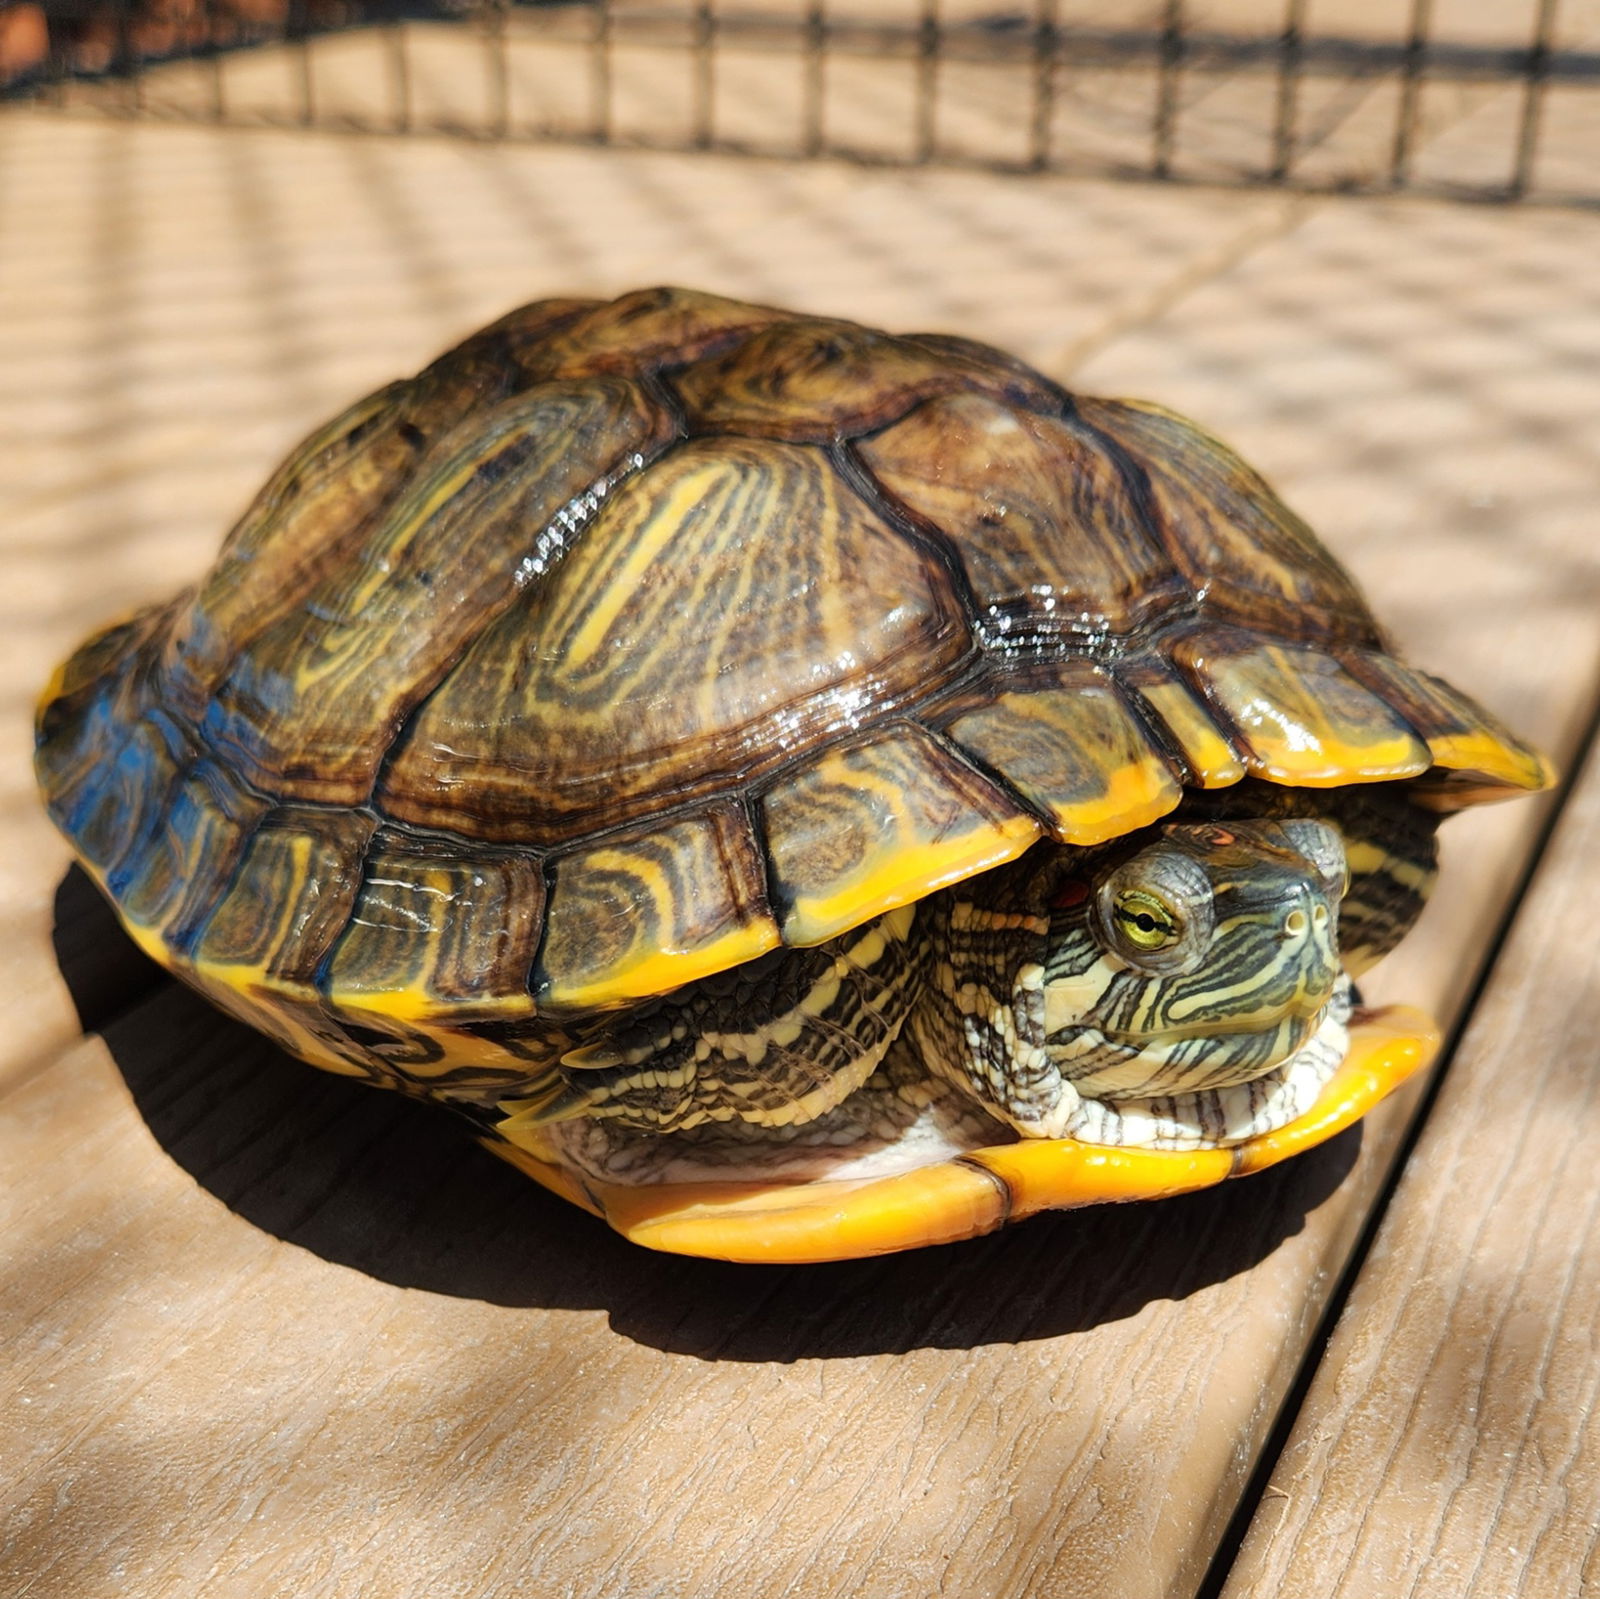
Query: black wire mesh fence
{"x": 1494, "y": 99}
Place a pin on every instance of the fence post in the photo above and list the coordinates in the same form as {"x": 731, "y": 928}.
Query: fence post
{"x": 1171, "y": 66}
{"x": 1537, "y": 76}
{"x": 1412, "y": 63}
{"x": 1290, "y": 59}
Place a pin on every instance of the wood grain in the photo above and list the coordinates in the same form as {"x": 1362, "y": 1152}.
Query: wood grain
{"x": 1449, "y": 1447}
{"x": 270, "y": 1332}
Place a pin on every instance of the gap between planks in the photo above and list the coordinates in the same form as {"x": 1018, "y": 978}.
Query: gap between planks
{"x": 1250, "y": 1519}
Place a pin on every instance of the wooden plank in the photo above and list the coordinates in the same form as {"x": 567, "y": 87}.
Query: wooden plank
{"x": 1450, "y": 1442}
{"x": 270, "y": 1331}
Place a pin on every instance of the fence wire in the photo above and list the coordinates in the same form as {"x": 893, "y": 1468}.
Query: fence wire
{"x": 1495, "y": 99}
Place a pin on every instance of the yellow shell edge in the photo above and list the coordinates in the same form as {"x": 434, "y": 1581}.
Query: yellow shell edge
{"x": 976, "y": 1193}
{"x": 908, "y": 875}
{"x": 667, "y": 969}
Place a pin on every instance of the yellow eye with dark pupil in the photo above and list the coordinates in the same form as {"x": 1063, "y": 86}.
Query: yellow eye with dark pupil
{"x": 1145, "y": 922}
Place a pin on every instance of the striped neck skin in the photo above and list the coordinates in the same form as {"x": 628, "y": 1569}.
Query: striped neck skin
{"x": 1205, "y": 957}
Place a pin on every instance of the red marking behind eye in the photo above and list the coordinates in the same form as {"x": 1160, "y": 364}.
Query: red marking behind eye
{"x": 1071, "y": 893}
{"x": 1221, "y": 837}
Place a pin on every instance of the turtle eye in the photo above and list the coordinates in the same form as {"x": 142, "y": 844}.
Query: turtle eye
{"x": 1145, "y": 921}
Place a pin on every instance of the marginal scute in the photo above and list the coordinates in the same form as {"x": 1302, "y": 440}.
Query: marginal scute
{"x": 291, "y": 896}
{"x": 310, "y": 711}
{"x": 257, "y": 953}
{"x": 733, "y": 605}
{"x": 185, "y": 861}
{"x": 871, "y": 825}
{"x": 86, "y": 713}
{"x": 1235, "y": 542}
{"x": 1477, "y": 758}
{"x": 438, "y": 937}
{"x": 647, "y": 329}
{"x": 92, "y": 669}
{"x": 1297, "y": 715}
{"x": 1210, "y": 761}
{"x": 646, "y": 912}
{"x": 816, "y": 382}
{"x": 113, "y": 817}
{"x": 1039, "y": 513}
{"x": 1077, "y": 752}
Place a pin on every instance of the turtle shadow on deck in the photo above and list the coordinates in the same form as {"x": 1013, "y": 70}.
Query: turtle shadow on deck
{"x": 396, "y": 1190}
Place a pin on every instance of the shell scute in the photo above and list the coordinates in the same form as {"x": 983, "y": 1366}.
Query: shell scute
{"x": 818, "y": 382}
{"x": 299, "y": 527}
{"x": 731, "y": 606}
{"x": 290, "y": 897}
{"x": 647, "y": 330}
{"x": 1476, "y": 757}
{"x": 311, "y": 710}
{"x": 113, "y": 818}
{"x": 439, "y": 935}
{"x": 647, "y": 911}
{"x": 1235, "y": 542}
{"x": 871, "y": 825}
{"x": 185, "y": 861}
{"x": 1038, "y": 511}
{"x": 1077, "y": 752}
{"x": 95, "y": 696}
{"x": 257, "y": 952}
{"x": 1297, "y": 715}
{"x": 1178, "y": 712}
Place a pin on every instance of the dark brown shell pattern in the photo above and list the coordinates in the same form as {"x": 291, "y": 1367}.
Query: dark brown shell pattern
{"x": 632, "y": 640}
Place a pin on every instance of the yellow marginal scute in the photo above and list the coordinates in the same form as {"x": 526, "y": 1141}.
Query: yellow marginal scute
{"x": 1135, "y": 795}
{"x": 658, "y": 971}
{"x": 1303, "y": 720}
{"x": 1326, "y": 761}
{"x": 1521, "y": 768}
{"x": 902, "y": 875}
{"x": 1211, "y": 760}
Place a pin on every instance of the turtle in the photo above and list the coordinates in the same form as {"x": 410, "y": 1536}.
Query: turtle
{"x": 798, "y": 792}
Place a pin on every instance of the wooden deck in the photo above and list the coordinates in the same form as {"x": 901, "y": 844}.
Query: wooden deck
{"x": 268, "y": 1333}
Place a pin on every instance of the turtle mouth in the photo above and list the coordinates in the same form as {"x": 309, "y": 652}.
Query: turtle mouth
{"x": 1206, "y": 1053}
{"x": 1306, "y": 1008}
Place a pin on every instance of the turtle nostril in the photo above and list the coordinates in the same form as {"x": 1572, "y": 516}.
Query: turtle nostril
{"x": 1320, "y": 916}
{"x": 1296, "y": 923}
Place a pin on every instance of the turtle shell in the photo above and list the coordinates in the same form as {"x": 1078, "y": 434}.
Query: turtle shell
{"x": 632, "y": 640}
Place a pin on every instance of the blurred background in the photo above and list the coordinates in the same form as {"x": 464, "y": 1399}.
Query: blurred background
{"x": 1476, "y": 97}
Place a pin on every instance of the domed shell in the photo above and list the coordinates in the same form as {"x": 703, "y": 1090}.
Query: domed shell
{"x": 631, "y": 640}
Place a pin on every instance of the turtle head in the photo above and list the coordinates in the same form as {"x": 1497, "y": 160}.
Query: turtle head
{"x": 1205, "y": 957}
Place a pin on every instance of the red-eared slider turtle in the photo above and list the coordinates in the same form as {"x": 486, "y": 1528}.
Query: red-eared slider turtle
{"x": 798, "y": 792}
